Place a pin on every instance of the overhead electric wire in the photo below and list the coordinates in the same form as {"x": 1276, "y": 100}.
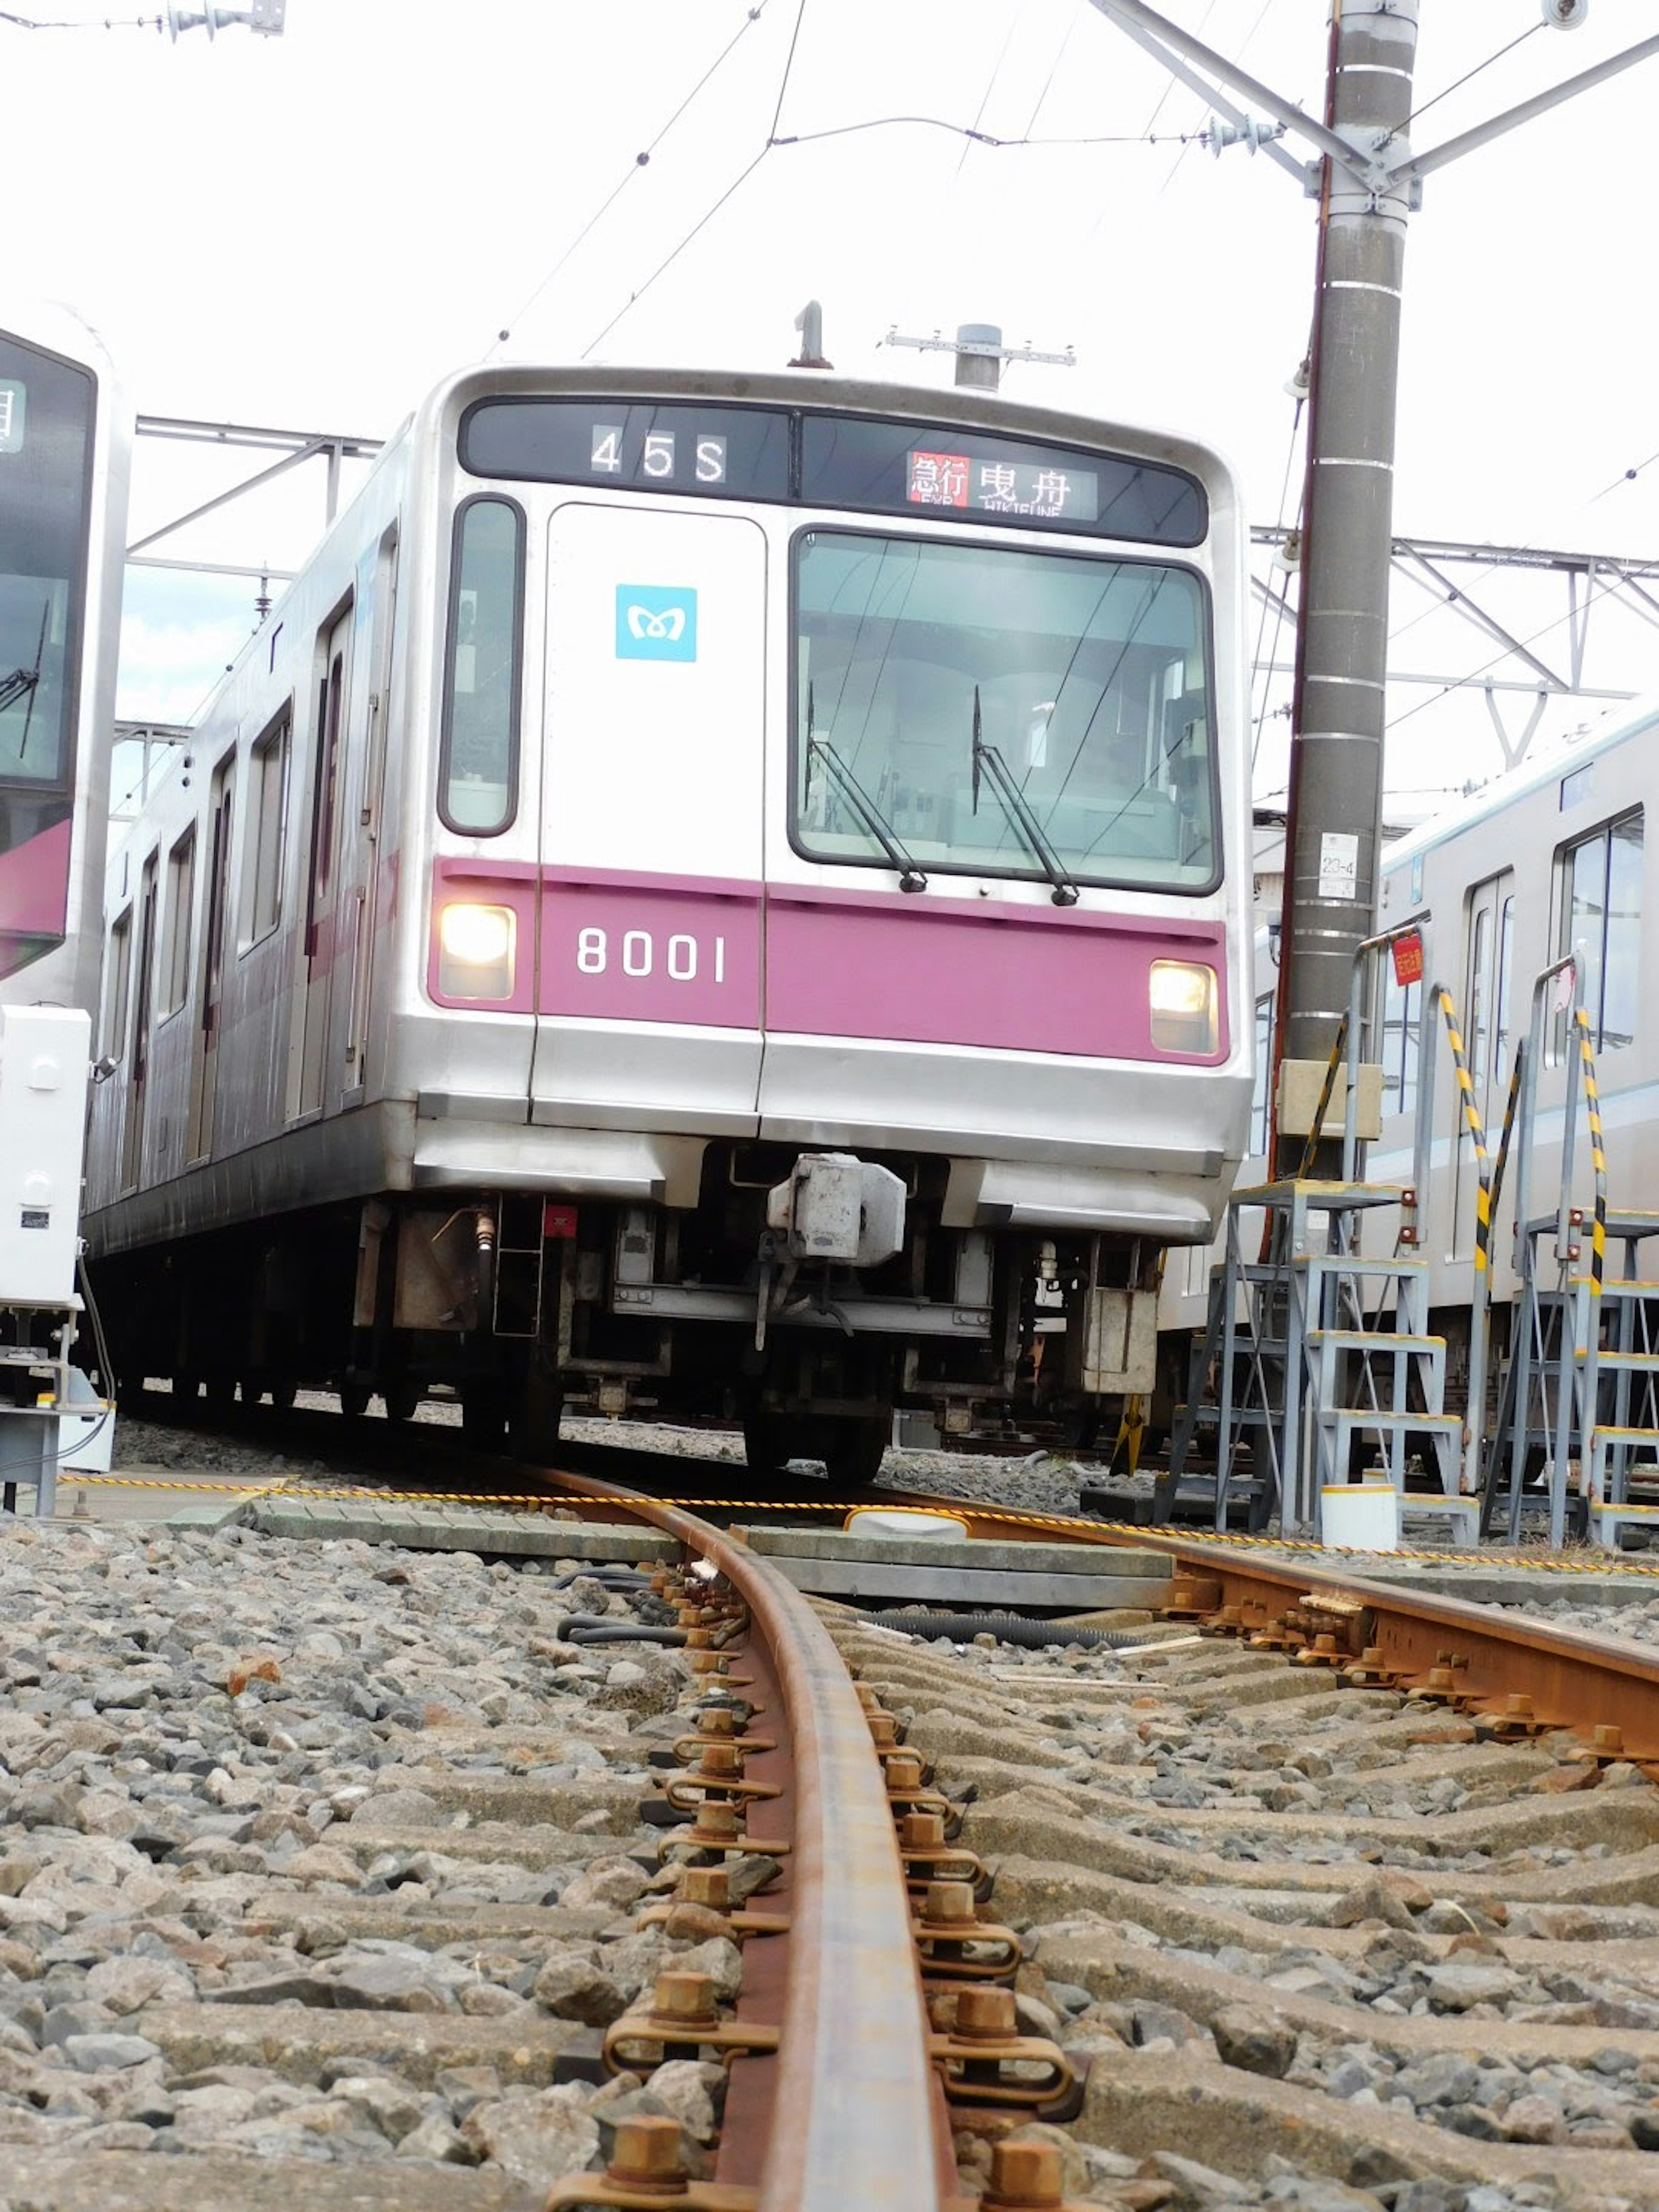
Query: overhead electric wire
{"x": 1282, "y": 603}
{"x": 1469, "y": 76}
{"x": 83, "y": 22}
{"x": 968, "y": 131}
{"x": 736, "y": 185}
{"x": 990, "y": 85}
{"x": 641, "y": 160}
{"x": 1054, "y": 71}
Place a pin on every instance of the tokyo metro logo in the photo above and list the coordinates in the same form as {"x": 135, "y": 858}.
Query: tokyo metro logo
{"x": 656, "y": 621}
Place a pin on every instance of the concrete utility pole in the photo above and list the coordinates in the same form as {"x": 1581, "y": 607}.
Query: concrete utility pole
{"x": 1367, "y": 180}
{"x": 1334, "y": 825}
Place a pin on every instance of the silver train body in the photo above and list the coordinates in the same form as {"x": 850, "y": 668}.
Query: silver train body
{"x": 65, "y": 445}
{"x": 719, "y": 897}
{"x": 1549, "y": 860}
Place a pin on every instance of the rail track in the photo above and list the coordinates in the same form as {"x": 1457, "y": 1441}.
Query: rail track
{"x": 1338, "y": 1883}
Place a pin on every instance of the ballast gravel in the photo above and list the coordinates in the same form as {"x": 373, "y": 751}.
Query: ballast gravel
{"x": 228, "y": 1767}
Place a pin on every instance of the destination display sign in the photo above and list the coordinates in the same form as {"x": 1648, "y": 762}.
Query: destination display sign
{"x": 963, "y": 479}
{"x": 850, "y": 461}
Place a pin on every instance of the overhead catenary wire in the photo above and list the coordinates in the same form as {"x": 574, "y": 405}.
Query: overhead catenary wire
{"x": 641, "y": 160}
{"x": 704, "y": 220}
{"x": 1469, "y": 76}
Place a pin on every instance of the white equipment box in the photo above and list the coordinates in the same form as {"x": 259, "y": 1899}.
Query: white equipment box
{"x": 44, "y": 1056}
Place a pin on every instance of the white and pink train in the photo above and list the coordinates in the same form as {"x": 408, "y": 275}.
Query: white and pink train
{"x": 715, "y": 895}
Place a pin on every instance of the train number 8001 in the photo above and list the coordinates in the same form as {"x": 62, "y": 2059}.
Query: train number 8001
{"x": 637, "y": 953}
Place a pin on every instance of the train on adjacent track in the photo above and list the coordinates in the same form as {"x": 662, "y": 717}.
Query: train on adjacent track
{"x": 724, "y": 897}
{"x": 1546, "y": 864}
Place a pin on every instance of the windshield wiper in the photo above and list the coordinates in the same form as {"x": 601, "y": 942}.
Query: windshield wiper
{"x": 13, "y": 687}
{"x": 910, "y": 877}
{"x": 23, "y": 682}
{"x": 1018, "y": 809}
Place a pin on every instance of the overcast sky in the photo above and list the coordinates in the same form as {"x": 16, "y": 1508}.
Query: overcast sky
{"x": 308, "y": 231}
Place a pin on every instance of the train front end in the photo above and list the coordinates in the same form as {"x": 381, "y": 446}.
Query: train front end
{"x": 834, "y": 987}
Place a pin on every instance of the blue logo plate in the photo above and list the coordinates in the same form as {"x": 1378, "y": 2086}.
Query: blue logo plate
{"x": 656, "y": 621}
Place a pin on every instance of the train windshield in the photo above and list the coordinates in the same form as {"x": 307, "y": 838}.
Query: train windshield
{"x": 939, "y": 678}
{"x": 45, "y": 449}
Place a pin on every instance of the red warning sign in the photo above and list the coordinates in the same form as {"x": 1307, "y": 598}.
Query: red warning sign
{"x": 1408, "y": 958}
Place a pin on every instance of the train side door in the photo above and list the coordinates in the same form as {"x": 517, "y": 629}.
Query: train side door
{"x": 213, "y": 964}
{"x": 132, "y": 1136}
{"x": 653, "y": 753}
{"x": 378, "y": 579}
{"x": 1488, "y": 1017}
{"x": 322, "y": 950}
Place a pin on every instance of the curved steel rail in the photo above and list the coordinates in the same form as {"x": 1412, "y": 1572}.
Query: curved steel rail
{"x": 866, "y": 2122}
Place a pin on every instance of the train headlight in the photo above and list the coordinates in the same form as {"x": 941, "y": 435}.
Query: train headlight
{"x": 1183, "y": 1000}
{"x": 475, "y": 945}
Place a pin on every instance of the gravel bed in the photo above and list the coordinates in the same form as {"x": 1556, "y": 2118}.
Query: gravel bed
{"x": 193, "y": 1725}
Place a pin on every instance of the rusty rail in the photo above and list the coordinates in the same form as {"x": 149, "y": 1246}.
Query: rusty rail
{"x": 866, "y": 2121}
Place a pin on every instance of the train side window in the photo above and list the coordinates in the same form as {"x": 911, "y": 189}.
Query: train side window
{"x": 478, "y": 772}
{"x": 117, "y": 987}
{"x": 1503, "y": 1014}
{"x": 1402, "y": 1016}
{"x": 1600, "y": 908}
{"x": 181, "y": 900}
{"x": 268, "y": 826}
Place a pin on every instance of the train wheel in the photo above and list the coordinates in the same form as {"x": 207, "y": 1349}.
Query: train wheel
{"x": 221, "y": 1391}
{"x": 770, "y": 1442}
{"x": 853, "y": 1451}
{"x": 401, "y": 1399}
{"x": 483, "y": 1416}
{"x": 283, "y": 1392}
{"x": 354, "y": 1400}
{"x": 532, "y": 1426}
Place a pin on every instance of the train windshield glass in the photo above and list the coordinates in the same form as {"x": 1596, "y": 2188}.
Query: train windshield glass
{"x": 924, "y": 672}
{"x": 45, "y": 449}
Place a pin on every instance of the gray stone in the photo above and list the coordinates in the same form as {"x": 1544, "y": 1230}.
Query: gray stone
{"x": 537, "y": 2135}
{"x": 102, "y": 2054}
{"x": 1256, "y": 2042}
{"x": 693, "y": 2091}
{"x": 570, "y": 1985}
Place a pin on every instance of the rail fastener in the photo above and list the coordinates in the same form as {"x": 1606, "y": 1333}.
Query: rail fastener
{"x": 701, "y": 1897}
{"x": 928, "y": 1859}
{"x": 647, "y": 2173}
{"x": 718, "y": 1724}
{"x": 954, "y": 1944}
{"x": 976, "y": 2056}
{"x": 1515, "y": 1722}
{"x": 1026, "y": 2177}
{"x": 682, "y": 2021}
{"x": 718, "y": 1776}
{"x": 716, "y": 1828}
{"x": 907, "y": 1792}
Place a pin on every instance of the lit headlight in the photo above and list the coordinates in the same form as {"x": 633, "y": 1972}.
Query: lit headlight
{"x": 475, "y": 951}
{"x": 1183, "y": 1001}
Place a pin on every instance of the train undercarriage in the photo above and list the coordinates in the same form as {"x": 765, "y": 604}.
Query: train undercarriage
{"x": 805, "y": 1297}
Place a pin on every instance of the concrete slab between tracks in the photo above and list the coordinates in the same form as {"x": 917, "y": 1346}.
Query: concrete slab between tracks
{"x": 56, "y": 2180}
{"x": 1068, "y": 1578}
{"x": 1513, "y": 1584}
{"x": 458, "y": 1528}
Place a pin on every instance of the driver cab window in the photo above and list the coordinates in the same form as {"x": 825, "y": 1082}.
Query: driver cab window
{"x": 479, "y": 775}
